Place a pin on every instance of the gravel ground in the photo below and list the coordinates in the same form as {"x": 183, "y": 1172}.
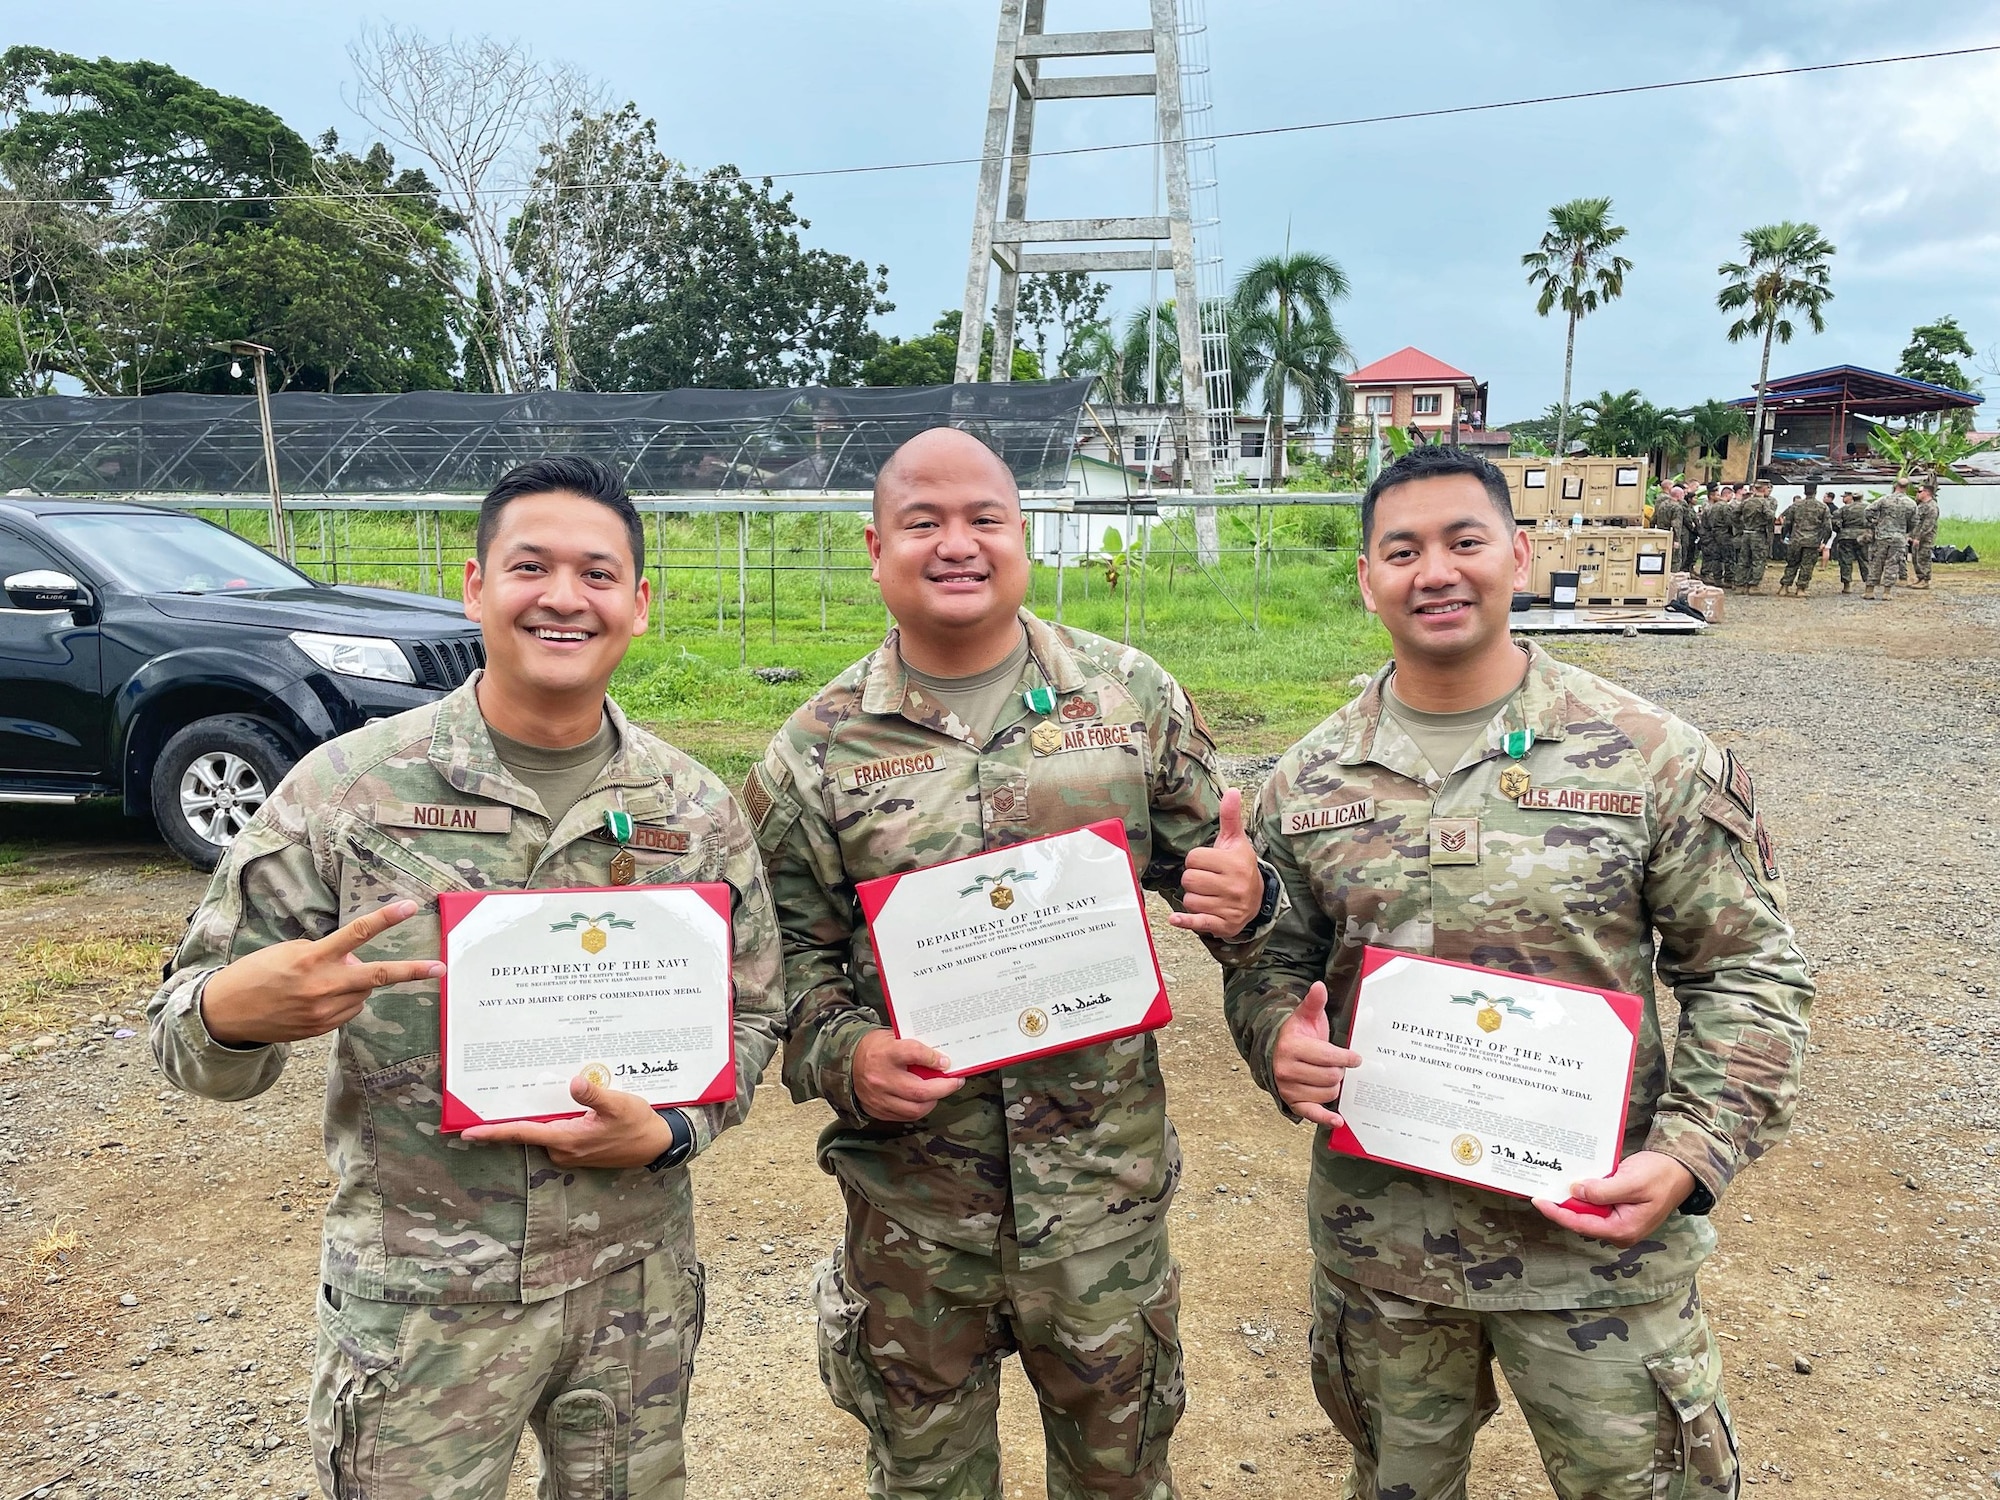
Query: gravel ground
{"x": 157, "y": 1252}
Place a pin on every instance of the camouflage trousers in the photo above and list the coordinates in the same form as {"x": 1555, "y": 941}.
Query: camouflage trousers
{"x": 1885, "y": 561}
{"x": 912, "y": 1335}
{"x": 430, "y": 1400}
{"x": 1852, "y": 555}
{"x": 1920, "y": 556}
{"x": 1756, "y": 559}
{"x": 1718, "y": 561}
{"x": 1625, "y": 1402}
{"x": 1800, "y": 560}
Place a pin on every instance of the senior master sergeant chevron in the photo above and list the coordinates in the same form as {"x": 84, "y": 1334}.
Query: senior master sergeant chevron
{"x": 515, "y": 1274}
{"x": 1024, "y": 1211}
{"x": 1407, "y": 820}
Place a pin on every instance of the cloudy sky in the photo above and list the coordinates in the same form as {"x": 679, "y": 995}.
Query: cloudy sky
{"x": 1898, "y": 165}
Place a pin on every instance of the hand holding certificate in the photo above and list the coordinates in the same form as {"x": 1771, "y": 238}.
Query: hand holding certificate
{"x": 1504, "y": 1082}
{"x": 1036, "y": 948}
{"x": 626, "y": 985}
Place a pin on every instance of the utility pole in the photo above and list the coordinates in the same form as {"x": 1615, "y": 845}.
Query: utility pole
{"x": 242, "y": 348}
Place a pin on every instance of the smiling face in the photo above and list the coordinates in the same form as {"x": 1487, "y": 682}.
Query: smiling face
{"x": 556, "y": 601}
{"x": 1441, "y": 570}
{"x": 946, "y": 545}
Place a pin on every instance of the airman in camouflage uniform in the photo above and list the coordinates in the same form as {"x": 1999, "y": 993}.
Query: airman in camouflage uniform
{"x": 1891, "y": 519}
{"x": 1420, "y": 1282}
{"x": 1805, "y": 522}
{"x": 1923, "y": 534}
{"x": 1852, "y": 538}
{"x": 472, "y": 1287}
{"x": 1026, "y": 1210}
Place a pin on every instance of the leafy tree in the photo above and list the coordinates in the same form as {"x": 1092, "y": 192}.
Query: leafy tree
{"x": 726, "y": 294}
{"x": 1785, "y": 272}
{"x": 1535, "y": 435}
{"x": 1096, "y": 350}
{"x": 1933, "y": 353}
{"x": 1710, "y": 425}
{"x": 1156, "y": 334}
{"x": 1065, "y": 301}
{"x": 1923, "y": 454}
{"x": 1576, "y": 271}
{"x": 933, "y": 359}
{"x": 1284, "y": 339}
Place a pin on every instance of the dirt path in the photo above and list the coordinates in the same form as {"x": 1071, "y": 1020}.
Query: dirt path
{"x": 1865, "y": 1247}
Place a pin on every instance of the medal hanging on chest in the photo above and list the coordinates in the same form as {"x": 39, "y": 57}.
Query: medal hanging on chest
{"x": 1518, "y": 742}
{"x": 624, "y": 868}
{"x": 1039, "y": 700}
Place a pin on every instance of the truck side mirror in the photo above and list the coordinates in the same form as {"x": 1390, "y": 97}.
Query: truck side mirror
{"x": 46, "y": 589}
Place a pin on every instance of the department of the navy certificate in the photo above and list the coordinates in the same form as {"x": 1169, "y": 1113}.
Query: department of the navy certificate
{"x": 1488, "y": 1078}
{"x": 1039, "y": 947}
{"x": 627, "y": 983}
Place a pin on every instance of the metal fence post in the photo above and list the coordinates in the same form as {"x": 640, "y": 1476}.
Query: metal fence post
{"x": 743, "y": 588}
{"x": 1061, "y": 529}
{"x": 774, "y": 578}
{"x": 660, "y": 561}
{"x": 718, "y": 572}
{"x": 822, "y": 571}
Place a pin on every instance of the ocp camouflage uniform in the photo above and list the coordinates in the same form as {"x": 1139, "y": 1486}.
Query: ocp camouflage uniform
{"x": 1420, "y": 1281}
{"x": 1757, "y": 515}
{"x": 1807, "y": 519}
{"x": 1923, "y": 537}
{"x": 1891, "y": 519}
{"x": 1853, "y": 536}
{"x": 470, "y": 1288}
{"x": 1718, "y": 544}
{"x": 1028, "y": 1210}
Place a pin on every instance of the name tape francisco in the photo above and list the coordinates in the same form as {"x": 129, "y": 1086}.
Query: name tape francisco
{"x": 856, "y": 778}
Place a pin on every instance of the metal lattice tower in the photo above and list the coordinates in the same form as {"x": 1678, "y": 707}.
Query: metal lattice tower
{"x": 1004, "y": 237}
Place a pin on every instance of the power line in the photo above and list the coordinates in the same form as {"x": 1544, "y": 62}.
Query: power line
{"x": 934, "y": 163}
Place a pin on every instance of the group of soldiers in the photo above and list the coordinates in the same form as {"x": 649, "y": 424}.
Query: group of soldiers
{"x": 1732, "y": 534}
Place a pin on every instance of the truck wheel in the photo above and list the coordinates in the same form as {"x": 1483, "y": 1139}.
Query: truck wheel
{"x": 211, "y": 778}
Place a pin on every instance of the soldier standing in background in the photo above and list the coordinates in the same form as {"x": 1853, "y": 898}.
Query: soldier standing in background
{"x": 1023, "y": 1209}
{"x": 1851, "y": 540}
{"x": 1697, "y": 527}
{"x": 1805, "y": 523}
{"x": 1923, "y": 535}
{"x": 1718, "y": 544}
{"x": 1890, "y": 518}
{"x": 518, "y": 1275}
{"x": 1420, "y": 1284}
{"x": 1760, "y": 515}
{"x": 1670, "y": 516}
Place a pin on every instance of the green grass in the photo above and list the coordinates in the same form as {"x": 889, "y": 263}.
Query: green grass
{"x": 1259, "y": 688}
{"x": 1982, "y": 536}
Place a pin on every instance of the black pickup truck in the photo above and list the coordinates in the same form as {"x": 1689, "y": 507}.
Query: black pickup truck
{"x": 148, "y": 655}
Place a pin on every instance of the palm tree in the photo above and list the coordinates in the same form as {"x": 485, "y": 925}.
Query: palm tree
{"x": 1577, "y": 271}
{"x": 1282, "y": 336}
{"x": 1095, "y": 350}
{"x": 1154, "y": 333}
{"x": 1786, "y": 272}
{"x": 1710, "y": 425}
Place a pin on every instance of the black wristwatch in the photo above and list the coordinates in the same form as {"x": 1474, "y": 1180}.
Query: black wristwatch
{"x": 1698, "y": 1203}
{"x": 1270, "y": 907}
{"x": 683, "y": 1142}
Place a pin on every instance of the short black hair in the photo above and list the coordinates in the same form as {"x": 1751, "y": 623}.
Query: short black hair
{"x": 569, "y": 474}
{"x": 1439, "y": 461}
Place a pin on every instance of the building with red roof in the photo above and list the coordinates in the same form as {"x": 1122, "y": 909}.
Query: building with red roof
{"x": 1413, "y": 389}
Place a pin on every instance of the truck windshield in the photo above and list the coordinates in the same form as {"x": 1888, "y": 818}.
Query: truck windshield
{"x": 156, "y": 554}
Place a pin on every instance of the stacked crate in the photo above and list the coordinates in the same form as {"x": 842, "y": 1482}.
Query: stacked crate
{"x": 1616, "y": 560}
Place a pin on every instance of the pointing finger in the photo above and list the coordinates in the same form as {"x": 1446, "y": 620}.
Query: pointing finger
{"x": 364, "y": 929}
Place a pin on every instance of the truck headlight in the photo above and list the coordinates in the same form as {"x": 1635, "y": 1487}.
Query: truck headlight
{"x": 356, "y": 655}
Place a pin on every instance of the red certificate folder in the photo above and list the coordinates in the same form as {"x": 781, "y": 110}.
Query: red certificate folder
{"x": 1627, "y": 1009}
{"x": 453, "y": 908}
{"x": 873, "y": 894}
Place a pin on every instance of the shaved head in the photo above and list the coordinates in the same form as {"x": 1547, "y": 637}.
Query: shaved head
{"x": 941, "y": 453}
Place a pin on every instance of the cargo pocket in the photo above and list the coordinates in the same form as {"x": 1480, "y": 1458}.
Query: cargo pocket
{"x": 1329, "y": 1366}
{"x": 1165, "y": 1382}
{"x": 582, "y": 1437}
{"x": 697, "y": 1275}
{"x": 359, "y": 1350}
{"x": 1694, "y": 1452}
{"x": 843, "y": 1356}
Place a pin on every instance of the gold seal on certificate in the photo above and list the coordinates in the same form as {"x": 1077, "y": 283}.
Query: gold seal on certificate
{"x": 627, "y": 986}
{"x": 1036, "y": 948}
{"x": 1493, "y": 1079}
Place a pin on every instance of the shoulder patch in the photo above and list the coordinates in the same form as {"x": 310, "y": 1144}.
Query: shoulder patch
{"x": 1736, "y": 782}
{"x": 757, "y": 798}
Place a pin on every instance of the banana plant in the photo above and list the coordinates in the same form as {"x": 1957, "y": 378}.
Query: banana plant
{"x": 1926, "y": 456}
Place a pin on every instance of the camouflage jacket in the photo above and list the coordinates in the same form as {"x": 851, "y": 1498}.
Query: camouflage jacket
{"x": 417, "y": 1216}
{"x": 869, "y": 778}
{"x": 1892, "y": 515}
{"x": 1806, "y": 516}
{"x": 1924, "y": 523}
{"x": 1573, "y": 896}
{"x": 1671, "y": 515}
{"x": 1725, "y": 519}
{"x": 1851, "y": 523}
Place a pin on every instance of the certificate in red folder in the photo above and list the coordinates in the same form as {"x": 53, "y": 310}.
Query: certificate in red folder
{"x": 629, "y": 983}
{"x": 1497, "y": 1080}
{"x": 1037, "y": 948}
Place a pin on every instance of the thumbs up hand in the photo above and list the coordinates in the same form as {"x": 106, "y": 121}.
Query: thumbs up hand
{"x": 1222, "y": 884}
{"x": 1306, "y": 1066}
